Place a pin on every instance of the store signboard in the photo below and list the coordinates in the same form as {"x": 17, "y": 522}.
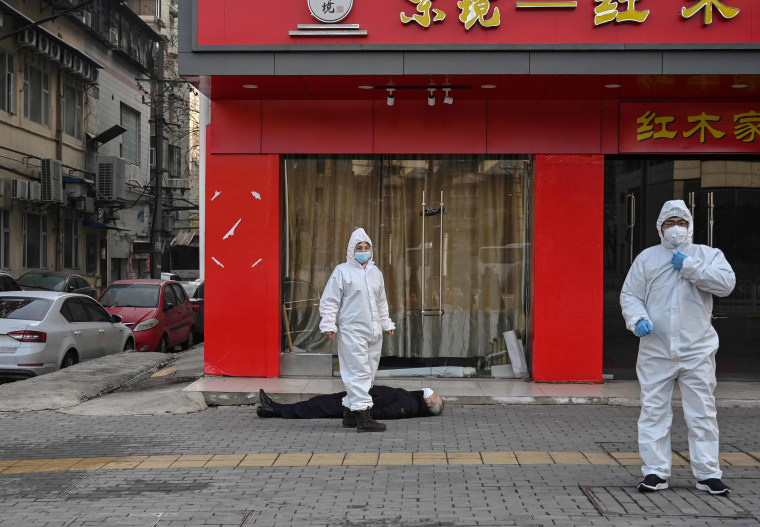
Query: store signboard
{"x": 478, "y": 22}
{"x": 706, "y": 127}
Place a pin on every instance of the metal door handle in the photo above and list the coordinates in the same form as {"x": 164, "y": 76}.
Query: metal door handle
{"x": 77, "y": 333}
{"x": 631, "y": 220}
{"x": 101, "y": 331}
{"x": 426, "y": 213}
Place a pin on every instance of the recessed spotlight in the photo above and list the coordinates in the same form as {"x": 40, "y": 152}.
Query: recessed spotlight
{"x": 740, "y": 86}
{"x": 488, "y": 86}
{"x": 612, "y": 86}
{"x": 366, "y": 87}
{"x": 250, "y": 86}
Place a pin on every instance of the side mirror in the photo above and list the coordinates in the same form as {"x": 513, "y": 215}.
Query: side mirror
{"x": 116, "y": 318}
{"x": 168, "y": 306}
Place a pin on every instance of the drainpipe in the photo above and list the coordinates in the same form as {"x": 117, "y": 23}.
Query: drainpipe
{"x": 158, "y": 213}
{"x": 57, "y": 216}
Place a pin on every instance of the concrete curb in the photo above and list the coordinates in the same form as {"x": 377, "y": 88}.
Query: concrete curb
{"x": 71, "y": 386}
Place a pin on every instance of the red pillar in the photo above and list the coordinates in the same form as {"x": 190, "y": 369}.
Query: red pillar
{"x": 242, "y": 319}
{"x": 568, "y": 264}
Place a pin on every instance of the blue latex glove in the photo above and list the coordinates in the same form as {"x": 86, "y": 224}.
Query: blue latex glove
{"x": 678, "y": 259}
{"x": 643, "y": 328}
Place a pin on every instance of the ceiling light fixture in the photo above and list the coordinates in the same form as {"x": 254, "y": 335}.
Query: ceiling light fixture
{"x": 740, "y": 86}
{"x": 612, "y": 86}
{"x": 447, "y": 99}
{"x": 431, "y": 97}
{"x": 250, "y": 86}
{"x": 488, "y": 86}
{"x": 391, "y": 100}
{"x": 365, "y": 87}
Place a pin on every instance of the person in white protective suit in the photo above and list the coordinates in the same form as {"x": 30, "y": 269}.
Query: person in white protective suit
{"x": 354, "y": 308}
{"x": 667, "y": 301}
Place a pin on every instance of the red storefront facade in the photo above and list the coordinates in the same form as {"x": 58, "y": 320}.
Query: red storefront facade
{"x": 568, "y": 85}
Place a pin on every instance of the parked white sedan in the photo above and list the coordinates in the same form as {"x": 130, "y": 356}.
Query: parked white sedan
{"x": 42, "y": 331}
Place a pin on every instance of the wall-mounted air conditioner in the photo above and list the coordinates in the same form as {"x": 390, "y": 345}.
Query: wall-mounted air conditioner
{"x": 52, "y": 180}
{"x": 55, "y": 51}
{"x": 43, "y": 45}
{"x": 85, "y": 70}
{"x": 87, "y": 18}
{"x": 93, "y": 74}
{"x": 89, "y": 204}
{"x": 76, "y": 190}
{"x": 20, "y": 189}
{"x": 67, "y": 60}
{"x": 78, "y": 66}
{"x": 110, "y": 178}
{"x": 28, "y": 37}
{"x": 35, "y": 191}
{"x": 113, "y": 36}
{"x": 79, "y": 204}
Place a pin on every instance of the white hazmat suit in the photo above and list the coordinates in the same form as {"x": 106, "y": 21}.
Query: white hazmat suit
{"x": 681, "y": 346}
{"x": 354, "y": 306}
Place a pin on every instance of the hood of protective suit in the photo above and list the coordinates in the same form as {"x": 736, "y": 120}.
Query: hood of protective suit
{"x": 358, "y": 236}
{"x": 675, "y": 207}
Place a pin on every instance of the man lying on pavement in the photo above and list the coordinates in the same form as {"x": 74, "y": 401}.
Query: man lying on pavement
{"x": 388, "y": 403}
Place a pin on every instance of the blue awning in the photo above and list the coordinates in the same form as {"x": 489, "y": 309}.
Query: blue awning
{"x": 99, "y": 225}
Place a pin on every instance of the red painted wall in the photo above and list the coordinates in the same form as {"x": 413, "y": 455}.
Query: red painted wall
{"x": 242, "y": 264}
{"x": 567, "y": 268}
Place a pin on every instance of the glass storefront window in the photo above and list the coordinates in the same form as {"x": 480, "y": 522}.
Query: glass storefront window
{"x": 455, "y": 275}
{"x": 724, "y": 197}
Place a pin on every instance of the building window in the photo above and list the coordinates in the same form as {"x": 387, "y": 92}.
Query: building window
{"x": 5, "y": 238}
{"x": 175, "y": 156}
{"x": 72, "y": 112}
{"x": 36, "y": 95}
{"x": 7, "y": 84}
{"x": 35, "y": 241}
{"x": 130, "y": 140}
{"x": 70, "y": 244}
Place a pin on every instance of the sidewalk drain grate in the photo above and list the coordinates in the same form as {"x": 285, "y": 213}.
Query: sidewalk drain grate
{"x": 674, "y": 502}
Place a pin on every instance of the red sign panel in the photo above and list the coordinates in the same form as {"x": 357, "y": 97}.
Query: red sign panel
{"x": 690, "y": 127}
{"x": 398, "y": 22}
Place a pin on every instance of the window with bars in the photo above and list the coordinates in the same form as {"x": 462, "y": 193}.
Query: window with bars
{"x": 36, "y": 95}
{"x": 7, "y": 83}
{"x": 72, "y": 111}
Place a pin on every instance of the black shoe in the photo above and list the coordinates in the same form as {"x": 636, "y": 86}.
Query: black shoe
{"x": 265, "y": 400}
{"x": 365, "y": 423}
{"x": 349, "y": 418}
{"x": 652, "y": 483}
{"x": 265, "y": 411}
{"x": 714, "y": 486}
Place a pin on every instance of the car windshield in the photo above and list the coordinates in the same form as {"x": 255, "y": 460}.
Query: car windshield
{"x": 130, "y": 295}
{"x": 20, "y": 308}
{"x": 42, "y": 281}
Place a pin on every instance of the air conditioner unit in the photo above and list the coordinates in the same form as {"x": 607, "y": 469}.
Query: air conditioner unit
{"x": 85, "y": 70}
{"x": 79, "y": 205}
{"x": 78, "y": 66}
{"x": 93, "y": 74}
{"x": 20, "y": 189}
{"x": 89, "y": 204}
{"x": 67, "y": 60}
{"x": 110, "y": 178}
{"x": 43, "y": 45}
{"x": 35, "y": 191}
{"x": 55, "y": 51}
{"x": 76, "y": 190}
{"x": 52, "y": 181}
{"x": 87, "y": 18}
{"x": 113, "y": 36}
{"x": 28, "y": 37}
{"x": 178, "y": 183}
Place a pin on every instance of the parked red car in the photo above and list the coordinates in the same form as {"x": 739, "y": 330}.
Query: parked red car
{"x": 158, "y": 312}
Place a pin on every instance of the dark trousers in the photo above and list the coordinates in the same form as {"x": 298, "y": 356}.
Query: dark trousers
{"x": 320, "y": 406}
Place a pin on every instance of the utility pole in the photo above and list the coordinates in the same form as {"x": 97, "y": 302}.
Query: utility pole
{"x": 156, "y": 235}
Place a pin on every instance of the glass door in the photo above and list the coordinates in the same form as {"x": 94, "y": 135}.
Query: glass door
{"x": 449, "y": 235}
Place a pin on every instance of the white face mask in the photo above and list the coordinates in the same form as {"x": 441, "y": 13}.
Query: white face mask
{"x": 676, "y": 235}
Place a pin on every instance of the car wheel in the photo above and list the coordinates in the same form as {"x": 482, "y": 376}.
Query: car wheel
{"x": 190, "y": 340}
{"x": 129, "y": 345}
{"x": 163, "y": 345}
{"x": 69, "y": 359}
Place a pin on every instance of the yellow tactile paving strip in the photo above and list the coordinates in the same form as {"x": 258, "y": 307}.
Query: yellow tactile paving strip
{"x": 337, "y": 459}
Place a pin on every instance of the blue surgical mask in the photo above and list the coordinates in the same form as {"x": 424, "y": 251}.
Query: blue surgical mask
{"x": 362, "y": 257}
